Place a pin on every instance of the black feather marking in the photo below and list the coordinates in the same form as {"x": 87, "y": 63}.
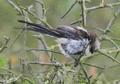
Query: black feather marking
{"x": 60, "y": 32}
{"x": 40, "y": 28}
{"x": 69, "y": 32}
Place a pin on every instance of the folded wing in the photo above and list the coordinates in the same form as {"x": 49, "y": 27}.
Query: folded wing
{"x": 60, "y": 32}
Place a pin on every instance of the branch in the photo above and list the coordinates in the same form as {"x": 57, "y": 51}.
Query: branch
{"x": 83, "y": 8}
{"x": 15, "y": 7}
{"x": 44, "y": 19}
{"x": 77, "y": 21}
{"x": 44, "y": 43}
{"x": 112, "y": 21}
{"x": 109, "y": 56}
{"x": 48, "y": 64}
{"x": 4, "y": 46}
{"x": 36, "y": 49}
{"x": 69, "y": 9}
{"x": 36, "y": 17}
{"x": 85, "y": 73}
{"x": 16, "y": 38}
{"x": 93, "y": 65}
{"x": 102, "y": 6}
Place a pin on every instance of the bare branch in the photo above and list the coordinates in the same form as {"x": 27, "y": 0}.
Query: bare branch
{"x": 4, "y": 46}
{"x": 83, "y": 8}
{"x": 69, "y": 9}
{"x": 109, "y": 56}
{"x": 112, "y": 21}
{"x": 102, "y": 6}
{"x": 15, "y": 6}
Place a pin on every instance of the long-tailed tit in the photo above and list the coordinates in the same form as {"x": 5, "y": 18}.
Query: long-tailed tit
{"x": 71, "y": 40}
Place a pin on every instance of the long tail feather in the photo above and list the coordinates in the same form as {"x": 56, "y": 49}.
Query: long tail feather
{"x": 41, "y": 29}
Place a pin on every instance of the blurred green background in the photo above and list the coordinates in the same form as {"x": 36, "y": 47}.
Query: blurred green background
{"x": 55, "y": 10}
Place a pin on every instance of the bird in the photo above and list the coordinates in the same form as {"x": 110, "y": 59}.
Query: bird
{"x": 71, "y": 40}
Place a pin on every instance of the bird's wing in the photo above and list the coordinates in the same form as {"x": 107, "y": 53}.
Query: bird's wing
{"x": 82, "y": 32}
{"x": 72, "y": 33}
{"x": 60, "y": 32}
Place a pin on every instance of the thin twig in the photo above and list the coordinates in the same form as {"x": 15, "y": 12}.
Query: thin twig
{"x": 112, "y": 21}
{"x": 114, "y": 43}
{"x": 44, "y": 44}
{"x": 77, "y": 21}
{"x": 24, "y": 37}
{"x": 43, "y": 8}
{"x": 17, "y": 76}
{"x": 13, "y": 79}
{"x": 4, "y": 46}
{"x": 36, "y": 49}
{"x": 48, "y": 64}
{"x": 85, "y": 73}
{"x": 69, "y": 9}
{"x": 44, "y": 19}
{"x": 93, "y": 65}
{"x": 109, "y": 56}
{"x": 36, "y": 17}
{"x": 16, "y": 38}
{"x": 53, "y": 74}
{"x": 15, "y": 6}
{"x": 83, "y": 8}
{"x": 102, "y": 6}
{"x": 116, "y": 39}
{"x": 105, "y": 37}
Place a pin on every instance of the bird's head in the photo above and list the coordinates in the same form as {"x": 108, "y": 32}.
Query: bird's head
{"x": 94, "y": 42}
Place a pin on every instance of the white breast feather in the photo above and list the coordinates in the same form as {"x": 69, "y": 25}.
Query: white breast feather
{"x": 73, "y": 46}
